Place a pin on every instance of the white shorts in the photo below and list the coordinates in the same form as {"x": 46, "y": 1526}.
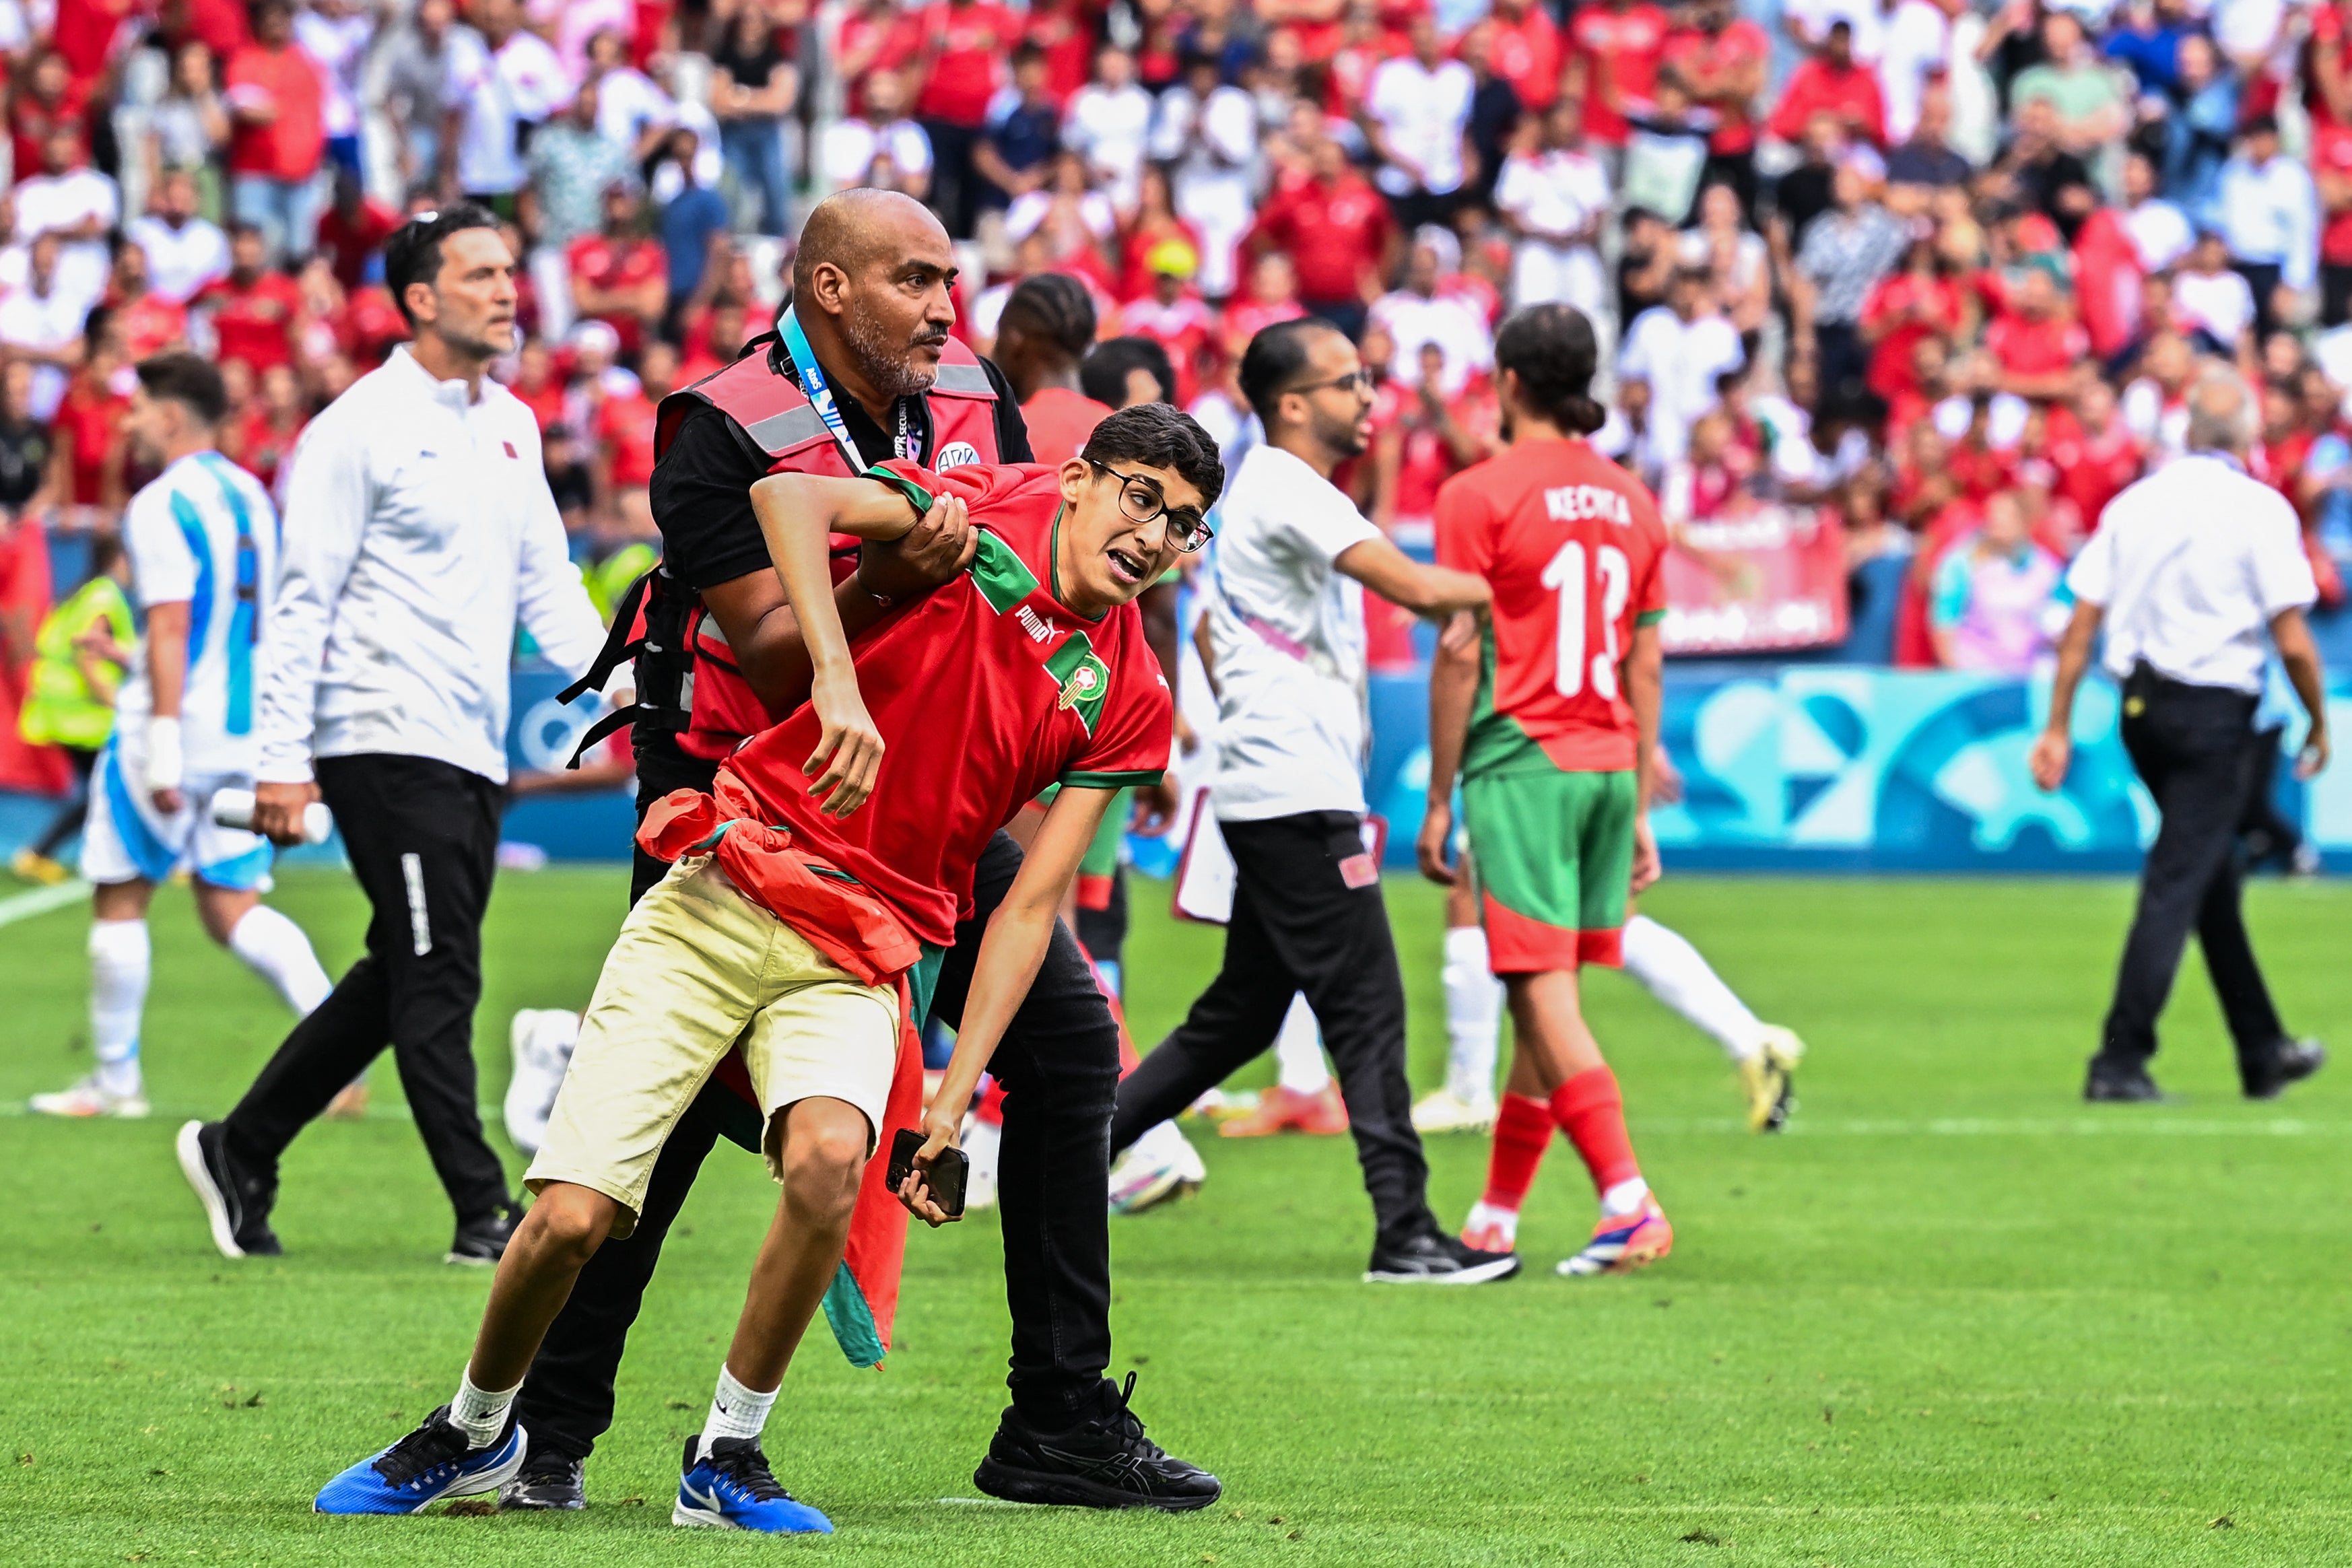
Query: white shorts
{"x": 126, "y": 839}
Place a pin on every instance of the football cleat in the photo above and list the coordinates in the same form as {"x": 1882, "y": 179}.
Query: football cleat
{"x": 432, "y": 1462}
{"x": 1100, "y": 1461}
{"x": 1158, "y": 1166}
{"x": 1446, "y": 1112}
{"x": 540, "y": 1041}
{"x": 730, "y": 1486}
{"x": 1281, "y": 1110}
{"x": 1623, "y": 1243}
{"x": 38, "y": 868}
{"x": 88, "y": 1098}
{"x": 1770, "y": 1077}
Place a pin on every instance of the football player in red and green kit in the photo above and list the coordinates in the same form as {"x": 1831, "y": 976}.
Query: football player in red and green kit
{"x": 806, "y": 921}
{"x": 1551, "y": 728}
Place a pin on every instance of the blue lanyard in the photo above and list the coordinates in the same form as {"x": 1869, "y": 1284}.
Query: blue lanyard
{"x": 820, "y": 395}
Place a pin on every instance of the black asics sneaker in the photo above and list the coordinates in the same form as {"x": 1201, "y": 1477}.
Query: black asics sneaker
{"x": 2286, "y": 1063}
{"x": 1431, "y": 1259}
{"x": 1103, "y": 1462}
{"x": 236, "y": 1201}
{"x": 548, "y": 1481}
{"x": 480, "y": 1243}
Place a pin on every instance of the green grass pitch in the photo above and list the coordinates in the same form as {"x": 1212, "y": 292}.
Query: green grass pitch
{"x": 1955, "y": 1316}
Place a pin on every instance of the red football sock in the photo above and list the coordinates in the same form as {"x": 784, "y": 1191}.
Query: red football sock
{"x": 1522, "y": 1133}
{"x": 1592, "y": 1114}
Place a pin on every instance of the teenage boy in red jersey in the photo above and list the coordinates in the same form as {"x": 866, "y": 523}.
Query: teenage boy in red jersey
{"x": 1552, "y": 729}
{"x": 813, "y": 938}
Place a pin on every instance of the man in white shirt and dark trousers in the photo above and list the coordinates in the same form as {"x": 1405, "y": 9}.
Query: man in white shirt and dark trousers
{"x": 2188, "y": 569}
{"x": 1286, "y": 623}
{"x": 419, "y": 530}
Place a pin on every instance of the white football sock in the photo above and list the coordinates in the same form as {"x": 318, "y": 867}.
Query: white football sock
{"x": 1623, "y": 1198}
{"x": 1484, "y": 1214}
{"x": 1298, "y": 1051}
{"x": 480, "y": 1413}
{"x": 1677, "y": 976}
{"x": 1473, "y": 1016}
{"x": 120, "y": 962}
{"x": 736, "y": 1411}
{"x": 275, "y": 948}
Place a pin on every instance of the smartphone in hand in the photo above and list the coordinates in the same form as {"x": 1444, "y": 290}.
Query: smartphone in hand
{"x": 945, "y": 1176}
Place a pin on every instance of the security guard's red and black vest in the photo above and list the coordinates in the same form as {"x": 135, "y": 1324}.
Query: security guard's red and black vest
{"x": 688, "y": 681}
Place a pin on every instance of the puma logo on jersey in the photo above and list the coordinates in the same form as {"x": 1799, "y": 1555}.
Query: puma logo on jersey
{"x": 1036, "y": 625}
{"x": 1572, "y": 503}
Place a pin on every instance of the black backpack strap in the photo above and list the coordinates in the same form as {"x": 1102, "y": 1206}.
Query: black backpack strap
{"x": 663, "y": 664}
{"x": 619, "y": 646}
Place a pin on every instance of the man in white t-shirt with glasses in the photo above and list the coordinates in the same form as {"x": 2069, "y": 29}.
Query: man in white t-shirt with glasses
{"x": 1285, "y": 648}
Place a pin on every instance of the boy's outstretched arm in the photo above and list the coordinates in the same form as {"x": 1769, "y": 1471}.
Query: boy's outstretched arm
{"x": 797, "y": 512}
{"x": 1010, "y": 952}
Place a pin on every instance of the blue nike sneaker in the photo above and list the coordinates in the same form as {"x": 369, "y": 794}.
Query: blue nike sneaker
{"x": 432, "y": 1462}
{"x": 731, "y": 1488}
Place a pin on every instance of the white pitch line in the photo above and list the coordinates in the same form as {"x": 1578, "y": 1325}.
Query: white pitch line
{"x": 2122, "y": 1124}
{"x": 41, "y": 900}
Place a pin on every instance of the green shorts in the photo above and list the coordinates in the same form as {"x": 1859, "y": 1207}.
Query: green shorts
{"x": 1555, "y": 864}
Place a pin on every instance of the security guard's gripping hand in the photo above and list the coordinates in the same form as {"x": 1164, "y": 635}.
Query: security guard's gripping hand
{"x": 848, "y": 746}
{"x": 942, "y": 544}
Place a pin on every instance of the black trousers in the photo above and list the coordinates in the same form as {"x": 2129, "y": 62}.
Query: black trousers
{"x": 1059, "y": 1066}
{"x": 1297, "y": 925}
{"x": 2195, "y": 749}
{"x": 2264, "y": 278}
{"x": 422, "y": 838}
{"x": 76, "y": 810}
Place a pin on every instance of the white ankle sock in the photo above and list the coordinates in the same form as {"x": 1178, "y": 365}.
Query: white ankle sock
{"x": 736, "y": 1411}
{"x": 1677, "y": 976}
{"x": 1298, "y": 1051}
{"x": 480, "y": 1413}
{"x": 120, "y": 961}
{"x": 1623, "y": 1198}
{"x": 275, "y": 948}
{"x": 1473, "y": 1016}
{"x": 1483, "y": 1213}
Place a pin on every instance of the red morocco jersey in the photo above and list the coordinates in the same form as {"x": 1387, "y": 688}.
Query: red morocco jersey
{"x": 985, "y": 691}
{"x": 1574, "y": 549}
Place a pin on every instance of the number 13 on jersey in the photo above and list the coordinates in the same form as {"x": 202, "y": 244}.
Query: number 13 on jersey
{"x": 1583, "y": 646}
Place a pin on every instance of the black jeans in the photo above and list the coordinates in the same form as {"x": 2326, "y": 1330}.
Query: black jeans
{"x": 422, "y": 838}
{"x": 1059, "y": 1066}
{"x": 2195, "y": 749}
{"x": 1297, "y": 925}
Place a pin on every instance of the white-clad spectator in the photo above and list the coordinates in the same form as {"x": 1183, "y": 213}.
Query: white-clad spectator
{"x": 573, "y": 26}
{"x": 41, "y": 324}
{"x": 185, "y": 249}
{"x": 1108, "y": 124}
{"x": 2159, "y": 231}
{"x": 76, "y": 202}
{"x": 1554, "y": 194}
{"x": 1674, "y": 355}
{"x": 1917, "y": 47}
{"x": 1417, "y": 316}
{"x": 2210, "y": 297}
{"x": 1417, "y": 111}
{"x": 1807, "y": 22}
{"x": 1209, "y": 131}
{"x": 2248, "y": 34}
{"x": 2267, "y": 208}
{"x": 189, "y": 124}
{"x": 336, "y": 34}
{"x": 1074, "y": 215}
{"x": 505, "y": 77}
{"x": 631, "y": 109}
{"x": 854, "y": 144}
{"x": 422, "y": 96}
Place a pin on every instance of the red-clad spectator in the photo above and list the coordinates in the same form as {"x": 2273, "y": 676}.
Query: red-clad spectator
{"x": 714, "y": 338}
{"x": 1527, "y": 52}
{"x": 88, "y": 35}
{"x": 263, "y": 438}
{"x": 2094, "y": 451}
{"x": 2328, "y": 66}
{"x": 51, "y": 100}
{"x": 1155, "y": 222}
{"x": 620, "y": 276}
{"x": 1720, "y": 62}
{"x": 624, "y": 462}
{"x": 1919, "y": 301}
{"x": 966, "y": 46}
{"x": 1340, "y": 235}
{"x": 2107, "y": 280}
{"x": 1615, "y": 48}
{"x": 537, "y": 384}
{"x": 2285, "y": 445}
{"x": 276, "y": 101}
{"x": 1273, "y": 297}
{"x": 90, "y": 430}
{"x": 1174, "y": 315}
{"x": 352, "y": 230}
{"x": 369, "y": 325}
{"x": 2038, "y": 343}
{"x": 879, "y": 35}
{"x": 218, "y": 25}
{"x": 149, "y": 322}
{"x": 1066, "y": 30}
{"x": 2331, "y": 169}
{"x": 1834, "y": 84}
{"x": 256, "y": 312}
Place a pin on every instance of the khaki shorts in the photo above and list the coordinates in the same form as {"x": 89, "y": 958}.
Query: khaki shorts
{"x": 698, "y": 967}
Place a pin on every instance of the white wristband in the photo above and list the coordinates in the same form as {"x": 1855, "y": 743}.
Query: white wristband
{"x": 166, "y": 766}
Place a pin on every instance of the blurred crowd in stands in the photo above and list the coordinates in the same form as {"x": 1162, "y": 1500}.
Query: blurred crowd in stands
{"x": 1933, "y": 274}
